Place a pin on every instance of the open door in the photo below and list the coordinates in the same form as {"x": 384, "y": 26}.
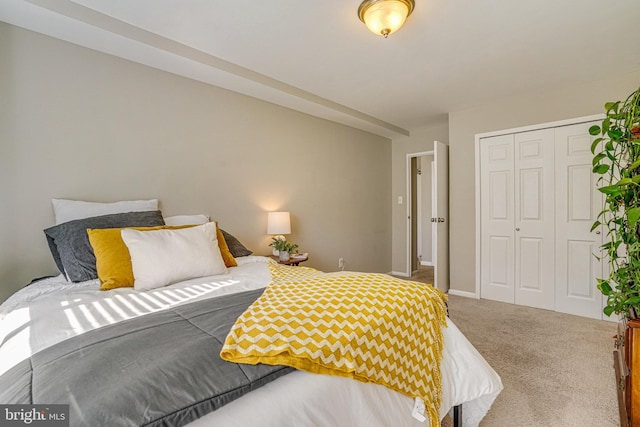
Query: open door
{"x": 440, "y": 217}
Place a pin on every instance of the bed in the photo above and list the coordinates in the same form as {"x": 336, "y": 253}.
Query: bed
{"x": 131, "y": 357}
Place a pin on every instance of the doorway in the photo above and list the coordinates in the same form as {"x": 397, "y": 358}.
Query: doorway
{"x": 422, "y": 241}
{"x": 427, "y": 215}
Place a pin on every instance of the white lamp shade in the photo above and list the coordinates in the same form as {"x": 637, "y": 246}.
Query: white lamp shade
{"x": 278, "y": 223}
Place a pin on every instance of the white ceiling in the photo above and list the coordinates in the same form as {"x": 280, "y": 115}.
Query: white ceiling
{"x": 317, "y": 57}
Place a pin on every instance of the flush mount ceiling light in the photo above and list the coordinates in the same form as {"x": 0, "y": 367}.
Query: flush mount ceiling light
{"x": 385, "y": 17}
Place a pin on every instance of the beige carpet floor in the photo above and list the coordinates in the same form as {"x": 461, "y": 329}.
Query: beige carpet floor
{"x": 557, "y": 369}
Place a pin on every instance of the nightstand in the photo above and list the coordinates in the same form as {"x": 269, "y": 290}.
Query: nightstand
{"x": 292, "y": 261}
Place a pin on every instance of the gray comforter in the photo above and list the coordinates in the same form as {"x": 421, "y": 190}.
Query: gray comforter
{"x": 161, "y": 369}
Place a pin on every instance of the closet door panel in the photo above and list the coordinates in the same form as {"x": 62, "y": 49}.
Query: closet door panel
{"x": 577, "y": 204}
{"x": 497, "y": 219}
{"x": 579, "y": 267}
{"x": 499, "y": 259}
{"x": 531, "y": 268}
{"x": 534, "y": 219}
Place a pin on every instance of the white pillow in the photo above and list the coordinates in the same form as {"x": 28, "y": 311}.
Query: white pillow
{"x": 68, "y": 210}
{"x": 186, "y": 220}
{"x": 163, "y": 257}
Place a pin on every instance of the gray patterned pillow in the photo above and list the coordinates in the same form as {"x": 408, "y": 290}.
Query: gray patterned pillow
{"x": 235, "y": 247}
{"x": 69, "y": 242}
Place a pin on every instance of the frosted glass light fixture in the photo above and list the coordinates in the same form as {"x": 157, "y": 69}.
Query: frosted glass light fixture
{"x": 278, "y": 224}
{"x": 385, "y": 17}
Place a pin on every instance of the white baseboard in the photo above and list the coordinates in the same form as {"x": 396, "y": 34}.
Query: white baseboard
{"x": 465, "y": 294}
{"x": 426, "y": 263}
{"x": 398, "y": 273}
{"x": 613, "y": 318}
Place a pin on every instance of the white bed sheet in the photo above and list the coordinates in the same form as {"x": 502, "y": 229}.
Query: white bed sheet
{"x": 53, "y": 310}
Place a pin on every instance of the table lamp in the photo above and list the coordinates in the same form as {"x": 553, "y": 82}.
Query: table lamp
{"x": 278, "y": 224}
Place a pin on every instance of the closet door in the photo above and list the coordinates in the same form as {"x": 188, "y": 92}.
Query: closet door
{"x": 497, "y": 219}
{"x": 578, "y": 202}
{"x": 534, "y": 219}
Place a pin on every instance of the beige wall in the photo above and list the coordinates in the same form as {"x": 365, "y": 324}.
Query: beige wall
{"x": 79, "y": 124}
{"x": 566, "y": 103}
{"x": 421, "y": 140}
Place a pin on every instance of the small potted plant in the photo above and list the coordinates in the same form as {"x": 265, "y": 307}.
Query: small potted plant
{"x": 284, "y": 248}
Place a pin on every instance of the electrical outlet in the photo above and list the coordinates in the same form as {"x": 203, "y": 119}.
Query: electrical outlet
{"x": 340, "y": 262}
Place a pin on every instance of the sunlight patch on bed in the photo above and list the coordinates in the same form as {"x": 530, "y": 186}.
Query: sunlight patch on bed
{"x": 169, "y": 301}
{"x": 85, "y": 315}
{"x": 77, "y": 310}
{"x": 117, "y": 309}
{"x": 105, "y": 315}
{"x": 173, "y": 295}
{"x": 73, "y": 320}
{"x": 88, "y": 316}
{"x": 139, "y": 301}
{"x": 187, "y": 295}
{"x": 16, "y": 340}
{"x": 127, "y": 304}
{"x": 159, "y": 305}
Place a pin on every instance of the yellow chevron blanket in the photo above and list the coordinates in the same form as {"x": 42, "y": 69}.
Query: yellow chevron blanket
{"x": 370, "y": 327}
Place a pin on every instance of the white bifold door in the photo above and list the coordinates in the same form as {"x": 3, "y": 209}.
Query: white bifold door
{"x": 578, "y": 203}
{"x": 497, "y": 220}
{"x": 517, "y": 219}
{"x": 537, "y": 203}
{"x": 534, "y": 211}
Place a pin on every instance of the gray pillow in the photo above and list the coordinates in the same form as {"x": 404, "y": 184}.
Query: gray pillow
{"x": 69, "y": 242}
{"x": 235, "y": 247}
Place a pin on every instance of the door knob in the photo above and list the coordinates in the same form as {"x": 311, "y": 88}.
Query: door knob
{"x": 517, "y": 229}
{"x": 440, "y": 219}
{"x": 598, "y": 232}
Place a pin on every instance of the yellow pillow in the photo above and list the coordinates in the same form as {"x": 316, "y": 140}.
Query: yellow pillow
{"x": 228, "y": 259}
{"x": 113, "y": 261}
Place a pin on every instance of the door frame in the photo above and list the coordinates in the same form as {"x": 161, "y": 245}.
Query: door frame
{"x": 421, "y": 214}
{"x": 521, "y": 129}
{"x": 409, "y": 201}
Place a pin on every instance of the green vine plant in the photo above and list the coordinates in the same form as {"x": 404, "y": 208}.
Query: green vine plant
{"x": 282, "y": 245}
{"x": 616, "y": 159}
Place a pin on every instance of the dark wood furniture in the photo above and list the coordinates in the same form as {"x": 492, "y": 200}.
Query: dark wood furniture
{"x": 626, "y": 362}
{"x": 292, "y": 261}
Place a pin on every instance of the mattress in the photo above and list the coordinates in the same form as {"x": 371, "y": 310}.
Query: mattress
{"x": 52, "y": 310}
